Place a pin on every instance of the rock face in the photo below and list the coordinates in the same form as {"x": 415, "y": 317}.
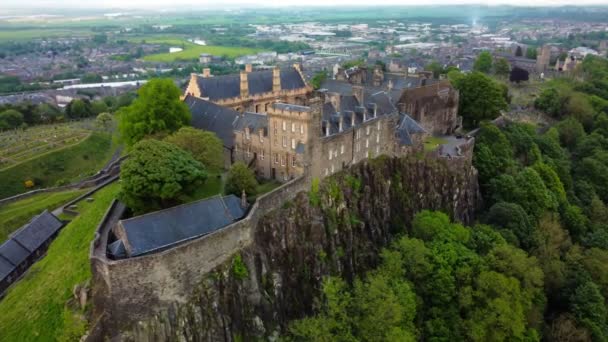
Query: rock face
{"x": 338, "y": 228}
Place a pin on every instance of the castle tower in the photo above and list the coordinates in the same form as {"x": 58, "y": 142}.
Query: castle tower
{"x": 244, "y": 84}
{"x": 543, "y": 58}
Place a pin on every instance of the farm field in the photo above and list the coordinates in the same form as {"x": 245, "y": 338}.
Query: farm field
{"x": 35, "y": 309}
{"x": 192, "y": 51}
{"x": 7, "y": 35}
{"x": 62, "y": 166}
{"x": 17, "y": 146}
{"x": 16, "y": 214}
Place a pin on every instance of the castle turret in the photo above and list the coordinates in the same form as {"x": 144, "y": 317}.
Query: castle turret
{"x": 244, "y": 84}
{"x": 276, "y": 79}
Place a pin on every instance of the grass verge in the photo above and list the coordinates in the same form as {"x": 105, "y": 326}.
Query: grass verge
{"x": 59, "y": 167}
{"x": 192, "y": 51}
{"x": 16, "y": 214}
{"x": 35, "y": 309}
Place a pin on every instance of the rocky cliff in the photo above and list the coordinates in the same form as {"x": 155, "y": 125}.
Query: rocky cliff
{"x": 338, "y": 228}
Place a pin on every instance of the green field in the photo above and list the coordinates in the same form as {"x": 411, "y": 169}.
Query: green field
{"x": 16, "y": 214}
{"x": 35, "y": 308}
{"x": 28, "y": 34}
{"x": 193, "y": 51}
{"x": 432, "y": 143}
{"x": 17, "y": 146}
{"x": 59, "y": 167}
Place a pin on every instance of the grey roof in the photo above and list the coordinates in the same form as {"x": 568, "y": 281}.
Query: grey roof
{"x": 13, "y": 252}
{"x": 38, "y": 231}
{"x": 229, "y": 86}
{"x": 407, "y": 127}
{"x": 254, "y": 121}
{"x": 5, "y": 268}
{"x": 117, "y": 249}
{"x": 291, "y": 107}
{"x": 161, "y": 229}
{"x": 214, "y": 118}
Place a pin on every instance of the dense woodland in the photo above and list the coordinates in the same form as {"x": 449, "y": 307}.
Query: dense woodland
{"x": 533, "y": 268}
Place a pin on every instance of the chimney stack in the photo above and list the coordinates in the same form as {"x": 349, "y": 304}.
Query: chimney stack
{"x": 206, "y": 72}
{"x": 359, "y": 93}
{"x": 248, "y": 67}
{"x": 334, "y": 98}
{"x": 276, "y": 79}
{"x": 341, "y": 123}
{"x": 244, "y": 84}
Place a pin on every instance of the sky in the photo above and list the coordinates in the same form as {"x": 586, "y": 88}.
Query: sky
{"x": 149, "y": 4}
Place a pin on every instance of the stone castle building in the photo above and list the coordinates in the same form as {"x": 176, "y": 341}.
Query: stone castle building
{"x": 282, "y": 128}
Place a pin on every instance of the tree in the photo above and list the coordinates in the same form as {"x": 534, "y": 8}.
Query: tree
{"x": 157, "y": 111}
{"x": 104, "y": 120}
{"x": 98, "y": 107}
{"x": 513, "y": 218}
{"x": 502, "y": 67}
{"x": 483, "y": 63}
{"x": 318, "y": 79}
{"x": 204, "y": 146}
{"x": 519, "y": 75}
{"x": 240, "y": 178}
{"x": 570, "y": 132}
{"x": 531, "y": 52}
{"x": 552, "y": 102}
{"x": 10, "y": 119}
{"x": 158, "y": 175}
{"x": 481, "y": 98}
{"x": 78, "y": 109}
{"x": 435, "y": 67}
{"x": 589, "y": 309}
{"x": 519, "y": 52}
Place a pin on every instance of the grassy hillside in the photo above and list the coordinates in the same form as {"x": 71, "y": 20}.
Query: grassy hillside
{"x": 16, "y": 214}
{"x": 59, "y": 167}
{"x": 35, "y": 308}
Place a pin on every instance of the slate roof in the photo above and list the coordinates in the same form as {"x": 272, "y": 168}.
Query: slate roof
{"x": 25, "y": 241}
{"x": 407, "y": 127}
{"x": 214, "y": 118}
{"x": 254, "y": 121}
{"x": 349, "y": 105}
{"x": 229, "y": 86}
{"x": 161, "y": 229}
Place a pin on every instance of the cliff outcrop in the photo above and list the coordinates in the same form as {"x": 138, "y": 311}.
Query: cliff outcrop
{"x": 338, "y": 228}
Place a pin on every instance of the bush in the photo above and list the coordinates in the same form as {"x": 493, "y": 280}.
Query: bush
{"x": 240, "y": 178}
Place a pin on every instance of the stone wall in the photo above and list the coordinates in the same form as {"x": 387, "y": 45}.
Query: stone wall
{"x": 288, "y": 244}
{"x": 133, "y": 289}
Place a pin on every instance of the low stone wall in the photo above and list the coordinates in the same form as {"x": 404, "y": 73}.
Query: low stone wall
{"x": 133, "y": 289}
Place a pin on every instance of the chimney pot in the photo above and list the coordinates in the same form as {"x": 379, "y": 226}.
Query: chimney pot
{"x": 276, "y": 79}
{"x": 248, "y": 67}
{"x": 206, "y": 72}
{"x": 244, "y": 84}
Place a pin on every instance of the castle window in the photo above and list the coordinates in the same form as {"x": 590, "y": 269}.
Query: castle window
{"x": 262, "y": 155}
{"x": 378, "y": 138}
{"x": 284, "y": 125}
{"x": 367, "y": 130}
{"x": 293, "y": 143}
{"x": 342, "y": 149}
{"x": 248, "y": 151}
{"x": 275, "y": 127}
{"x": 266, "y": 107}
{"x": 336, "y": 153}
{"x": 282, "y": 160}
{"x": 247, "y": 133}
{"x": 358, "y": 134}
{"x": 366, "y": 143}
{"x": 293, "y": 161}
{"x": 332, "y": 168}
{"x": 326, "y": 171}
{"x": 358, "y": 147}
{"x": 330, "y": 154}
{"x": 301, "y": 128}
{"x": 261, "y": 136}
{"x": 377, "y": 150}
{"x": 293, "y": 127}
{"x": 367, "y": 154}
{"x": 284, "y": 141}
{"x": 276, "y": 158}
{"x": 378, "y": 125}
{"x": 257, "y": 108}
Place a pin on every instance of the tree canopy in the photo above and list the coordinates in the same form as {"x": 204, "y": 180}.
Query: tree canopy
{"x": 241, "y": 178}
{"x": 483, "y": 63}
{"x": 156, "y": 111}
{"x": 158, "y": 175}
{"x": 204, "y": 146}
{"x": 481, "y": 98}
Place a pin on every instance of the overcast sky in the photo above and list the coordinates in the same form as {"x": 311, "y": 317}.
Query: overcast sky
{"x": 146, "y": 4}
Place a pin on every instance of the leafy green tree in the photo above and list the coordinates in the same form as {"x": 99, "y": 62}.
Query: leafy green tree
{"x": 204, "y": 146}
{"x": 157, "y": 111}
{"x": 10, "y": 118}
{"x": 513, "y": 218}
{"x": 580, "y": 108}
{"x": 434, "y": 67}
{"x": 78, "y": 109}
{"x": 104, "y": 120}
{"x": 589, "y": 309}
{"x": 481, "y": 98}
{"x": 158, "y": 175}
{"x": 531, "y": 52}
{"x": 502, "y": 67}
{"x": 241, "y": 178}
{"x": 98, "y": 107}
{"x": 483, "y": 63}
{"x": 318, "y": 79}
{"x": 571, "y": 131}
{"x": 552, "y": 102}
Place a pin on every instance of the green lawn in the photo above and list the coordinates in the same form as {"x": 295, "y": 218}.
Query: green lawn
{"x": 214, "y": 185}
{"x": 431, "y": 143}
{"x": 192, "y": 51}
{"x": 16, "y": 214}
{"x": 28, "y": 34}
{"x": 63, "y": 166}
{"x": 34, "y": 309}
